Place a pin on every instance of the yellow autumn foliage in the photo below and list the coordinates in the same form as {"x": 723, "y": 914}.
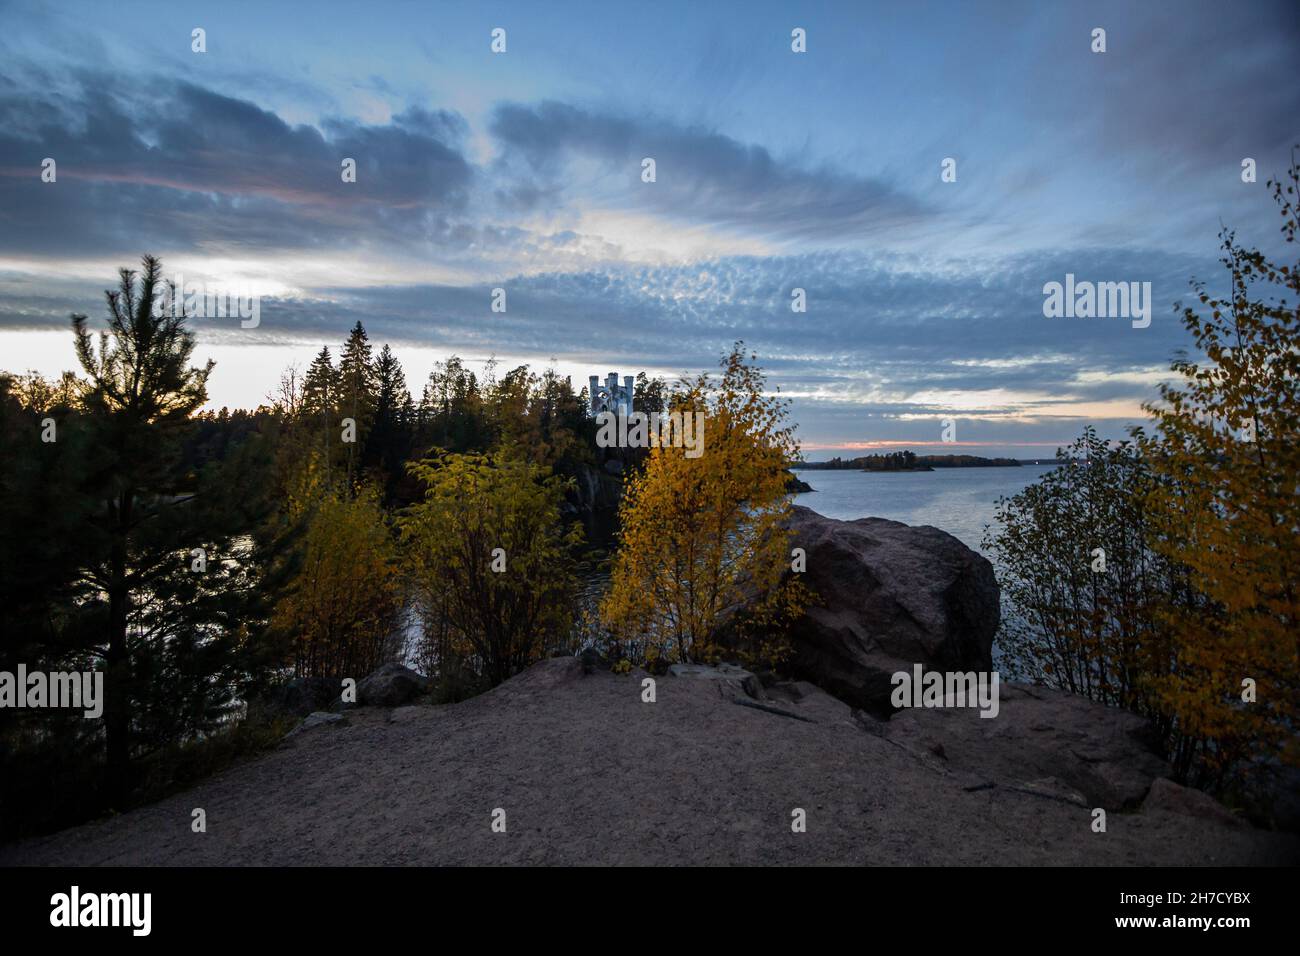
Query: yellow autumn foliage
{"x": 491, "y": 559}
{"x": 1225, "y": 504}
{"x": 704, "y": 535}
{"x": 343, "y": 606}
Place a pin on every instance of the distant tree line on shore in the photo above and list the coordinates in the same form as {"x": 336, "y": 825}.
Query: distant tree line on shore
{"x": 907, "y": 461}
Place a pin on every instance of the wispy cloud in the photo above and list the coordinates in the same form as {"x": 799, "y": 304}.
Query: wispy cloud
{"x": 774, "y": 172}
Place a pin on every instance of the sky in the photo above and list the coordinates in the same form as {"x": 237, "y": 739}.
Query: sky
{"x": 774, "y": 170}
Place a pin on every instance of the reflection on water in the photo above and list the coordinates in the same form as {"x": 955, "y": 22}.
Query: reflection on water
{"x": 586, "y": 630}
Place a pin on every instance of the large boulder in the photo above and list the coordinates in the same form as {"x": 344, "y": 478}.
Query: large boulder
{"x": 391, "y": 686}
{"x": 888, "y": 595}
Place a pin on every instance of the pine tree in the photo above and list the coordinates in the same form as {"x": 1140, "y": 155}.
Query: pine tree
{"x": 168, "y": 571}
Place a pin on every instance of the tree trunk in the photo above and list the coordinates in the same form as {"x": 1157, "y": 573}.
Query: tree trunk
{"x": 117, "y": 714}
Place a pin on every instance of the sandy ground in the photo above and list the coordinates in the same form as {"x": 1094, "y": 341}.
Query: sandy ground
{"x": 587, "y": 773}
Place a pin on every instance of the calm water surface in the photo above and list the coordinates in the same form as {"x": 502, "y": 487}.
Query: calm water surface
{"x": 957, "y": 500}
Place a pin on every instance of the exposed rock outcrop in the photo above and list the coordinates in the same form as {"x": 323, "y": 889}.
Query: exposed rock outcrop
{"x": 594, "y": 497}
{"x": 318, "y": 719}
{"x": 1167, "y": 796}
{"x": 888, "y": 595}
{"x": 1042, "y": 741}
{"x": 592, "y": 774}
{"x": 391, "y": 686}
{"x": 795, "y": 485}
{"x": 594, "y": 490}
{"x": 735, "y": 681}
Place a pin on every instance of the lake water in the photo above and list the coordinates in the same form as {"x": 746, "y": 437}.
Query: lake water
{"x": 957, "y": 500}
{"x": 960, "y": 501}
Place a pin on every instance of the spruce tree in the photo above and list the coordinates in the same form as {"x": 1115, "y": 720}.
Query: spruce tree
{"x": 357, "y": 397}
{"x": 320, "y": 404}
{"x": 390, "y": 436}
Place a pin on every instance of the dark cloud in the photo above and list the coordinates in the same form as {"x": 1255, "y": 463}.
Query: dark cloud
{"x": 1191, "y": 82}
{"x": 173, "y": 165}
{"x": 1099, "y": 164}
{"x": 1182, "y": 94}
{"x": 701, "y": 175}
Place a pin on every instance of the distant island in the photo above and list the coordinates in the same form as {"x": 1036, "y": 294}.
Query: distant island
{"x": 907, "y": 461}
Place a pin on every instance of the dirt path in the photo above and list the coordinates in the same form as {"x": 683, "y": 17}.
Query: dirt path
{"x": 587, "y": 773}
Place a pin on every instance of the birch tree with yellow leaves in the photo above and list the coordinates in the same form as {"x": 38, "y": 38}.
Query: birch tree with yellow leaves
{"x": 1224, "y": 451}
{"x": 491, "y": 559}
{"x": 343, "y": 609}
{"x": 704, "y": 536}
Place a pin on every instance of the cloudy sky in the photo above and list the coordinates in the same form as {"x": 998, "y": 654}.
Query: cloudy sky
{"x": 774, "y": 170}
